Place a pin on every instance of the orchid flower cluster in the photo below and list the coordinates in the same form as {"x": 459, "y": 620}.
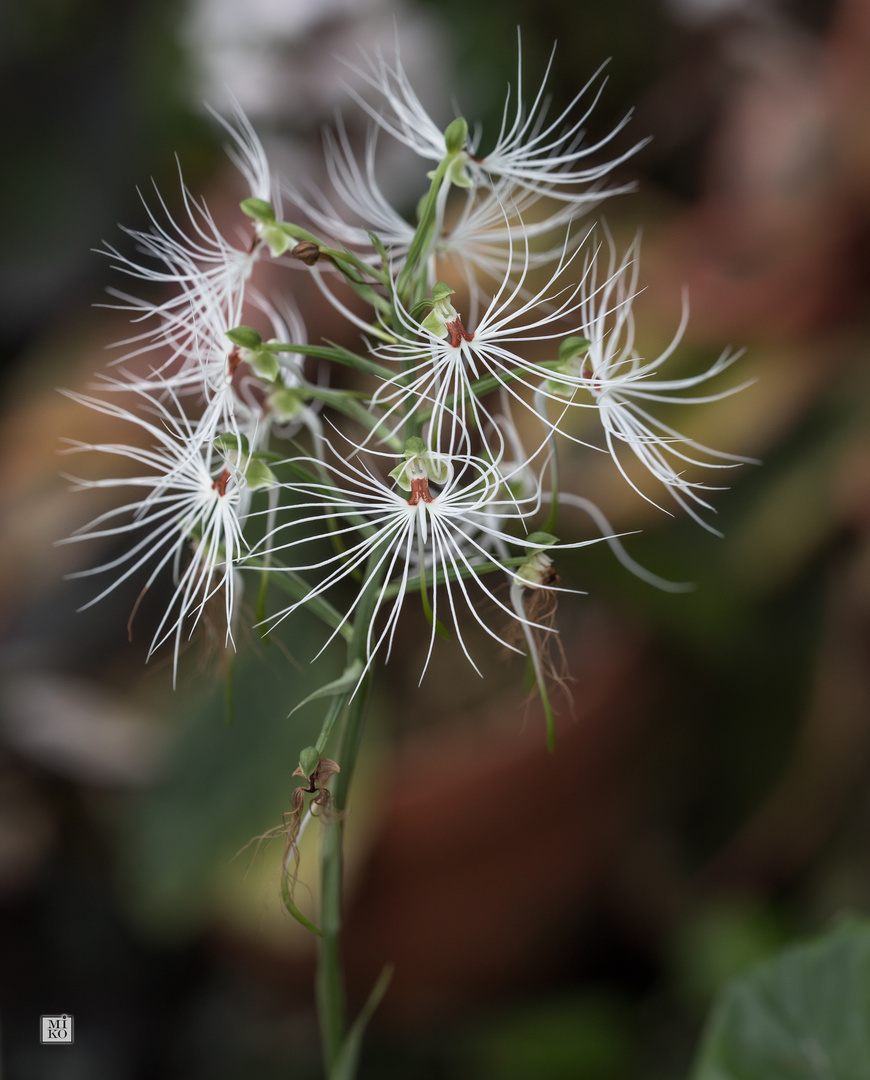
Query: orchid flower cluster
{"x": 423, "y": 461}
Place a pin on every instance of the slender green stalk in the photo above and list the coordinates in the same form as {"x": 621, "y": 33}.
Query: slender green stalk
{"x": 230, "y": 690}
{"x": 330, "y": 976}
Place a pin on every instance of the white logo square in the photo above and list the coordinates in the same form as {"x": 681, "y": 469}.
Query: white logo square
{"x": 56, "y": 1030}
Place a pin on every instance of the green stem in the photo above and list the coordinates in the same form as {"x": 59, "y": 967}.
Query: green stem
{"x": 230, "y": 690}
{"x": 334, "y": 353}
{"x": 421, "y": 242}
{"x": 552, "y": 518}
{"x": 330, "y": 976}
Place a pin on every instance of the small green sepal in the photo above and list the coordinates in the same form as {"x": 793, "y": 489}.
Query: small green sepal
{"x": 286, "y": 404}
{"x": 259, "y": 209}
{"x": 258, "y": 475}
{"x": 442, "y": 311}
{"x": 456, "y": 135}
{"x": 419, "y": 462}
{"x": 275, "y": 237}
{"x": 233, "y": 444}
{"x": 434, "y": 325}
{"x": 572, "y": 347}
{"x": 264, "y": 363}
{"x": 246, "y": 337}
{"x": 541, "y": 539}
{"x": 456, "y": 173}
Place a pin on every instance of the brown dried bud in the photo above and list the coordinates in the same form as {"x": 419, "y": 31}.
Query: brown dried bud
{"x": 306, "y": 252}
{"x": 326, "y": 767}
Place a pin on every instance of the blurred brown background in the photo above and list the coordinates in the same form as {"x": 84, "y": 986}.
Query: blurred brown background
{"x": 556, "y": 917}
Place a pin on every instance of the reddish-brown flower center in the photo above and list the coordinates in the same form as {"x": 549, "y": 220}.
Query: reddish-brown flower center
{"x": 220, "y": 485}
{"x": 586, "y": 372}
{"x": 234, "y": 359}
{"x": 458, "y": 333}
{"x": 420, "y": 491}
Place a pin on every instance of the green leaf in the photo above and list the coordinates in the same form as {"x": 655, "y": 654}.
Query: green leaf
{"x": 294, "y": 910}
{"x": 260, "y": 609}
{"x": 378, "y": 245}
{"x": 805, "y": 1015}
{"x": 348, "y": 1058}
{"x": 344, "y": 684}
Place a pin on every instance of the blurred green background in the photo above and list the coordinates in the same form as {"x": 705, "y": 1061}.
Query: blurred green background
{"x": 708, "y": 801}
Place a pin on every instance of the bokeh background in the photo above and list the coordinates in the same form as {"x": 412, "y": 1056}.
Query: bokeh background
{"x": 557, "y": 917}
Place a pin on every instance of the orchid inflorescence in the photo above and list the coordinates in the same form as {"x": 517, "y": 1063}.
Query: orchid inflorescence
{"x": 486, "y": 325}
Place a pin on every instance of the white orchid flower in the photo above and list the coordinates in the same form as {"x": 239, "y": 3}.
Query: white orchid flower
{"x": 432, "y": 524}
{"x": 187, "y": 516}
{"x": 542, "y": 155}
{"x": 613, "y": 378}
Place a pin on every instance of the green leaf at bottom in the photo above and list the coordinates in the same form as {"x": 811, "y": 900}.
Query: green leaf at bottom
{"x": 348, "y": 1057}
{"x": 805, "y": 1015}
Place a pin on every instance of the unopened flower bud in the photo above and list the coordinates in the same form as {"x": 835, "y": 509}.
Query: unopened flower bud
{"x": 537, "y": 570}
{"x": 306, "y": 252}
